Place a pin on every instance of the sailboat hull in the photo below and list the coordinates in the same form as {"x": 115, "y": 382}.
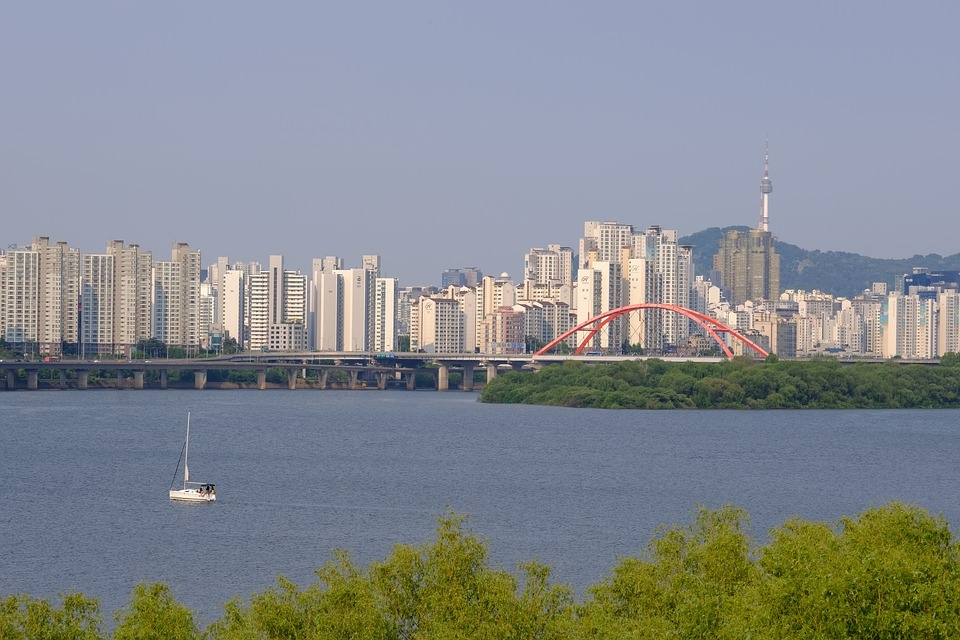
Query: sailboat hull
{"x": 192, "y": 495}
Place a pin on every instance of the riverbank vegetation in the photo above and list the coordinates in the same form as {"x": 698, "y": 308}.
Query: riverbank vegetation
{"x": 821, "y": 383}
{"x": 891, "y": 572}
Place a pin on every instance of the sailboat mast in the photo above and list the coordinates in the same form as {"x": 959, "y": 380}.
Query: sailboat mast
{"x": 186, "y": 454}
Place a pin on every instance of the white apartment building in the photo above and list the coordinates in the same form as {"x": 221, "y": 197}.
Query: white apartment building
{"x": 385, "y": 315}
{"x": 466, "y": 298}
{"x": 550, "y": 266}
{"x": 355, "y": 308}
{"x": 20, "y": 290}
{"x": 133, "y": 296}
{"x": 599, "y": 289}
{"x": 352, "y": 309}
{"x": 277, "y": 297}
{"x": 215, "y": 275}
{"x": 659, "y": 271}
{"x": 438, "y": 324}
{"x": 98, "y": 304}
{"x": 910, "y": 330}
{"x": 40, "y": 289}
{"x": 406, "y": 299}
{"x": 545, "y": 320}
{"x": 493, "y": 293}
{"x": 58, "y": 318}
{"x": 207, "y": 314}
{"x": 603, "y": 241}
{"x": 232, "y": 303}
{"x": 176, "y": 298}
{"x": 168, "y": 302}
{"x": 948, "y": 333}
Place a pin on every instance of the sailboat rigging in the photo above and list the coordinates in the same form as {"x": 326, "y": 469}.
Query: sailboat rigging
{"x": 191, "y": 491}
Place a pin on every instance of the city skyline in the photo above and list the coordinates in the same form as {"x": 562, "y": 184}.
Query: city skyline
{"x": 444, "y": 136}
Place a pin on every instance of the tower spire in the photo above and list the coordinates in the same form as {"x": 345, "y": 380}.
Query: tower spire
{"x": 766, "y": 188}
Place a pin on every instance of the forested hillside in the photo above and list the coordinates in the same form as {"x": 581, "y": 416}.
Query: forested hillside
{"x": 835, "y": 272}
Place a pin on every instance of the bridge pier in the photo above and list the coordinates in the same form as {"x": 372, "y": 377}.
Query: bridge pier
{"x": 467, "y": 383}
{"x": 291, "y": 379}
{"x": 443, "y": 378}
{"x": 323, "y": 378}
{"x": 354, "y": 375}
{"x": 410, "y": 377}
{"x": 32, "y": 379}
{"x": 262, "y": 379}
{"x": 491, "y": 372}
{"x": 199, "y": 379}
{"x": 382, "y": 380}
{"x": 163, "y": 378}
{"x": 82, "y": 378}
{"x": 63, "y": 379}
{"x": 119, "y": 379}
{"x": 11, "y": 379}
{"x": 138, "y": 380}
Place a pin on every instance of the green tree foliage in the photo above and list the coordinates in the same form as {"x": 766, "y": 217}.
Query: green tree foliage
{"x": 891, "y": 572}
{"x": 154, "y": 614}
{"x": 26, "y": 618}
{"x": 689, "y": 584}
{"x": 822, "y": 383}
{"x": 950, "y": 359}
{"x": 443, "y": 589}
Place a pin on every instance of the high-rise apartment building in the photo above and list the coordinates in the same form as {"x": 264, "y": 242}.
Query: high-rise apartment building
{"x": 58, "y": 314}
{"x": 909, "y": 326}
{"x": 40, "y": 289}
{"x": 658, "y": 270}
{"x": 97, "y": 304}
{"x": 548, "y": 273}
{"x": 277, "y": 309}
{"x": 20, "y": 290}
{"x": 436, "y": 326}
{"x": 385, "y": 314}
{"x": 232, "y": 303}
{"x": 176, "y": 299}
{"x": 600, "y": 289}
{"x": 132, "y": 298}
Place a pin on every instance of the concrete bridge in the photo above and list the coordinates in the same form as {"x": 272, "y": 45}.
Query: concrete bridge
{"x": 363, "y": 370}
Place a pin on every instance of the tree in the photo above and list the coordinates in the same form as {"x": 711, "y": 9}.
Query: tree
{"x": 950, "y": 359}
{"x": 154, "y": 614}
{"x": 689, "y": 584}
{"x": 35, "y": 619}
{"x": 229, "y": 346}
{"x": 403, "y": 343}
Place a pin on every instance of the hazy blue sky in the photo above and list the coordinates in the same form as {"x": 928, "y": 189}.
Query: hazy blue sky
{"x": 449, "y": 134}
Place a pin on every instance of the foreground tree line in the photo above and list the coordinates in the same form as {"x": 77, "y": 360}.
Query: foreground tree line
{"x": 741, "y": 383}
{"x": 891, "y": 572}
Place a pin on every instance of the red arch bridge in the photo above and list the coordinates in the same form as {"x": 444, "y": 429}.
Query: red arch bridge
{"x": 712, "y": 326}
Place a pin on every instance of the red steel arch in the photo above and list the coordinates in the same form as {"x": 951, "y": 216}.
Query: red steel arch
{"x": 712, "y": 326}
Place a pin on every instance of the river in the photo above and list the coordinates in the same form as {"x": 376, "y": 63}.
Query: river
{"x": 84, "y": 479}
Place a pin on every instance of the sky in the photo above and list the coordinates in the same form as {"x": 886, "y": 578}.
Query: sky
{"x": 452, "y": 134}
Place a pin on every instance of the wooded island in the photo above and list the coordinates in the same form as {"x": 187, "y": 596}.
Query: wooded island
{"x": 741, "y": 383}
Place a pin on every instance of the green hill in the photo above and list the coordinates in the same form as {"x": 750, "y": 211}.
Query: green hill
{"x": 835, "y": 272}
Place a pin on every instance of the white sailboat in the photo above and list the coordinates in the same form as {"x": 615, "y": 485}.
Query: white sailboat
{"x": 191, "y": 491}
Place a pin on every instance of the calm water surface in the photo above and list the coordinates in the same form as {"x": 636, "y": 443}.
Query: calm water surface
{"x": 84, "y": 476}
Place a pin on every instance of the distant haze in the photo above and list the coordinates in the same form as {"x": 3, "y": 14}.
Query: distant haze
{"x": 441, "y": 134}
